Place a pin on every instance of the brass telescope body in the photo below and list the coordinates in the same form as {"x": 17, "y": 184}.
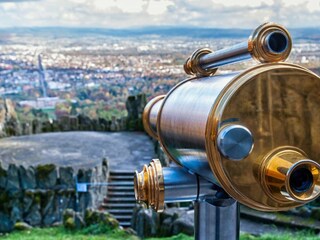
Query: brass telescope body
{"x": 255, "y": 133}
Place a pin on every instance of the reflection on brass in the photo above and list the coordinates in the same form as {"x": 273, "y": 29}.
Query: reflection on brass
{"x": 150, "y": 115}
{"x": 149, "y": 186}
{"x": 192, "y": 64}
{"x": 268, "y": 43}
{"x": 261, "y": 47}
{"x": 286, "y": 174}
{"x": 277, "y": 102}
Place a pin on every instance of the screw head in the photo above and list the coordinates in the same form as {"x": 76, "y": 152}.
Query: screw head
{"x": 235, "y": 142}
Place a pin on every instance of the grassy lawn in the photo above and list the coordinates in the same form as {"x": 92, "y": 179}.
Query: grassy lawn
{"x": 289, "y": 236}
{"x": 60, "y": 233}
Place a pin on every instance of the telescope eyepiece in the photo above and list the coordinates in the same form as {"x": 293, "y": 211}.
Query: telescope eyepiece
{"x": 301, "y": 180}
{"x": 276, "y": 42}
{"x": 288, "y": 175}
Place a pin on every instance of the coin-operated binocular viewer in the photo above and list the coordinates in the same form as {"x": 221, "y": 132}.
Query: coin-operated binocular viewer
{"x": 250, "y": 136}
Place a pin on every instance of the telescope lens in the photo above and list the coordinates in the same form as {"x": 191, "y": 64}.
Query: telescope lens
{"x": 277, "y": 42}
{"x": 301, "y": 180}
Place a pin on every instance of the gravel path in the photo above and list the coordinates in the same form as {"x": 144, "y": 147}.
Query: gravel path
{"x": 124, "y": 150}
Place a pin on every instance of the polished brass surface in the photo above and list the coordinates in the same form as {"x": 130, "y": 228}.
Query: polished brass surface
{"x": 155, "y": 185}
{"x": 268, "y": 43}
{"x": 149, "y": 186}
{"x": 192, "y": 64}
{"x": 258, "y": 48}
{"x": 278, "y": 102}
{"x": 150, "y": 115}
{"x": 277, "y": 169}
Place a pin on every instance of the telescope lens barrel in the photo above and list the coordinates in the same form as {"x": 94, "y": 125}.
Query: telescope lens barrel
{"x": 268, "y": 43}
{"x": 301, "y": 180}
{"x": 276, "y": 42}
{"x": 288, "y": 175}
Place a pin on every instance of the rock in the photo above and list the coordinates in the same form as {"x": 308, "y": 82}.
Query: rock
{"x": 78, "y": 221}
{"x": 66, "y": 177}
{"x": 68, "y": 219}
{"x": 114, "y": 124}
{"x": 6, "y": 224}
{"x": 13, "y": 181}
{"x": 22, "y": 226}
{"x": 166, "y": 228}
{"x": 68, "y": 213}
{"x": 27, "y": 178}
{"x": 64, "y": 122}
{"x": 57, "y": 224}
{"x": 173, "y": 213}
{"x": 72, "y": 220}
{"x": 46, "y": 126}
{"x": 5, "y": 202}
{"x": 55, "y": 126}
{"x": 84, "y": 176}
{"x": 131, "y": 232}
{"x": 135, "y": 106}
{"x": 26, "y": 129}
{"x": 27, "y": 200}
{"x": 46, "y": 176}
{"x": 69, "y": 224}
{"x": 49, "y": 210}
{"x": 32, "y": 207}
{"x": 85, "y": 122}
{"x": 93, "y": 217}
{"x": 74, "y": 123}
{"x": 65, "y": 199}
{"x": 84, "y": 201}
{"x": 36, "y": 126}
{"x": 9, "y": 124}
{"x": 16, "y": 212}
{"x": 145, "y": 222}
{"x": 184, "y": 224}
{"x": 3, "y": 177}
{"x": 315, "y": 213}
{"x": 34, "y": 217}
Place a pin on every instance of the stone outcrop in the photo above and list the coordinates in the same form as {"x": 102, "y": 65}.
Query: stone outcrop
{"x": 39, "y": 196}
{"x": 135, "y": 106}
{"x": 9, "y": 124}
{"x": 172, "y": 221}
{"x": 74, "y": 220}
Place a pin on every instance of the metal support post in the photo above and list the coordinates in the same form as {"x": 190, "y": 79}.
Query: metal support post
{"x": 217, "y": 219}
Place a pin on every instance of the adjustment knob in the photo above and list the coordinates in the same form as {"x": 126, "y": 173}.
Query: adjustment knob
{"x": 235, "y": 142}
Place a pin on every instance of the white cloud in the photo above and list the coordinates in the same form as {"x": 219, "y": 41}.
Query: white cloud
{"x": 128, "y": 13}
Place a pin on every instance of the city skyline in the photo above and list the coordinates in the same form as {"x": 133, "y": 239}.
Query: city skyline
{"x": 141, "y": 13}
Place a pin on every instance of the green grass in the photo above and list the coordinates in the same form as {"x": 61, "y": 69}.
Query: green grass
{"x": 59, "y": 233}
{"x": 287, "y": 236}
{"x": 177, "y": 237}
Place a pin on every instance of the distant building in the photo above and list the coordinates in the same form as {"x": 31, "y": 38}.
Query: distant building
{"x": 42, "y": 103}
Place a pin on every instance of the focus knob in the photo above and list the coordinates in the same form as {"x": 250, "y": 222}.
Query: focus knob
{"x": 235, "y": 142}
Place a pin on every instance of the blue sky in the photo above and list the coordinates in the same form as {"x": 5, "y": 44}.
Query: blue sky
{"x": 139, "y": 13}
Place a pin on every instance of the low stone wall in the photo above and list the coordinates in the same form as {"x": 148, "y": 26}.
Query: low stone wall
{"x": 74, "y": 123}
{"x": 10, "y": 125}
{"x": 39, "y": 195}
{"x": 172, "y": 221}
